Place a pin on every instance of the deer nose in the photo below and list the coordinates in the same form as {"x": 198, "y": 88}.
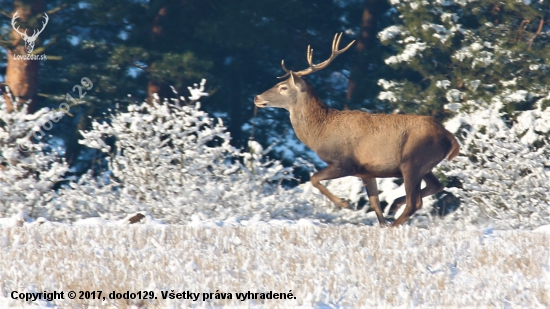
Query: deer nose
{"x": 256, "y": 99}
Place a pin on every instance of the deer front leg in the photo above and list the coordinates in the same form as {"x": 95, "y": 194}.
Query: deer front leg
{"x": 330, "y": 172}
{"x": 372, "y": 192}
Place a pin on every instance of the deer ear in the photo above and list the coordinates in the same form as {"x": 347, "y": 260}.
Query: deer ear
{"x": 297, "y": 82}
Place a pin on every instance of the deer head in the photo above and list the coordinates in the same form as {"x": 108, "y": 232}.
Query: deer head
{"x": 285, "y": 94}
{"x": 29, "y": 40}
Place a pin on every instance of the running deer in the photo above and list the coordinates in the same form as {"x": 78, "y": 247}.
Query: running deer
{"x": 356, "y": 143}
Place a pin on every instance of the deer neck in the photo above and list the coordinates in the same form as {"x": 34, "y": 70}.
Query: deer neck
{"x": 309, "y": 118}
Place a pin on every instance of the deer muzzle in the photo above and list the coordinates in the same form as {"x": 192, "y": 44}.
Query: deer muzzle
{"x": 259, "y": 101}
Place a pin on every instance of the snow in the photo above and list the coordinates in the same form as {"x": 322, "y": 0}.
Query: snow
{"x": 543, "y": 229}
{"x": 505, "y": 183}
{"x": 323, "y": 265}
{"x": 388, "y": 84}
{"x": 442, "y": 33}
{"x": 516, "y": 96}
{"x": 387, "y": 95}
{"x": 454, "y": 95}
{"x": 512, "y": 82}
{"x": 197, "y": 91}
{"x": 390, "y": 33}
{"x": 453, "y": 107}
{"x": 449, "y": 17}
{"x": 443, "y": 84}
{"x": 411, "y": 50}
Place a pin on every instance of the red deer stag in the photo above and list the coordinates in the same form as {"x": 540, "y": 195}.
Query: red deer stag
{"x": 356, "y": 143}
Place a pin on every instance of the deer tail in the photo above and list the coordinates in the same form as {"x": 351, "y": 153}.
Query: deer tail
{"x": 455, "y": 147}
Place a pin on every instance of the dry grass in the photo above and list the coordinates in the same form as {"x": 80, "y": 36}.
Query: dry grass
{"x": 335, "y": 265}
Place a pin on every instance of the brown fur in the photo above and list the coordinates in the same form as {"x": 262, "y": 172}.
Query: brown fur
{"x": 356, "y": 143}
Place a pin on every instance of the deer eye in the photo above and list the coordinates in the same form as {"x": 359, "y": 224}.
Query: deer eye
{"x": 283, "y": 88}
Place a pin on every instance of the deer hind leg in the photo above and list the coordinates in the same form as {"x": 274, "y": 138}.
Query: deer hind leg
{"x": 413, "y": 179}
{"x": 330, "y": 172}
{"x": 414, "y": 201}
{"x": 432, "y": 187}
{"x": 372, "y": 192}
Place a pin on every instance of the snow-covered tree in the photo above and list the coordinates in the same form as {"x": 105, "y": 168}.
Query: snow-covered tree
{"x": 173, "y": 161}
{"x": 458, "y": 54}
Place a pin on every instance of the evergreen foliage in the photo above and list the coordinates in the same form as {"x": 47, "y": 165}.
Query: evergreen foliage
{"x": 468, "y": 55}
{"x": 129, "y": 48}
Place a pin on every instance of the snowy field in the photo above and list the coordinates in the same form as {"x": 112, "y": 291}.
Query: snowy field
{"x": 322, "y": 266}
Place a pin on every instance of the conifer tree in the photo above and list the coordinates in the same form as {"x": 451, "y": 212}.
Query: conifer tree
{"x": 458, "y": 54}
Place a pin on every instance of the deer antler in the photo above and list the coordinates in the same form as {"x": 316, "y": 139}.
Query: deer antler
{"x": 16, "y": 16}
{"x": 317, "y": 67}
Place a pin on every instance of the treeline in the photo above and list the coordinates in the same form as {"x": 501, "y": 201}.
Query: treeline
{"x": 415, "y": 57}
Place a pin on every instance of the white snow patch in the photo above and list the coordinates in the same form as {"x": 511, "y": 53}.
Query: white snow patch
{"x": 390, "y": 33}
{"x": 411, "y": 51}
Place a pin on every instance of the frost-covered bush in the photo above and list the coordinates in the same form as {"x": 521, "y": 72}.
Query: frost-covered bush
{"x": 176, "y": 163}
{"x": 28, "y": 171}
{"x": 169, "y": 160}
{"x": 503, "y": 169}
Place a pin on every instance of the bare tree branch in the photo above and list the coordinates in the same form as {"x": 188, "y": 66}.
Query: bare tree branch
{"x": 8, "y": 15}
{"x": 43, "y": 48}
{"x": 57, "y": 9}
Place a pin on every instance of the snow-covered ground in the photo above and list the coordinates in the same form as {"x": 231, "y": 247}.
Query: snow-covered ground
{"x": 321, "y": 265}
